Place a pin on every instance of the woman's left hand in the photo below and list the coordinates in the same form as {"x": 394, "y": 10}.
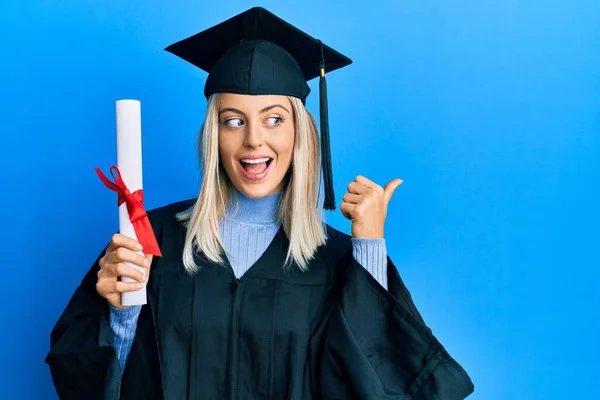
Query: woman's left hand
{"x": 365, "y": 205}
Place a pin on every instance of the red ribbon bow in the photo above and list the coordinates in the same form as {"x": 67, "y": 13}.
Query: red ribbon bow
{"x": 135, "y": 208}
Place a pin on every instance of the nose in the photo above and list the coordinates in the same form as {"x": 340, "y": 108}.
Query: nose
{"x": 254, "y": 136}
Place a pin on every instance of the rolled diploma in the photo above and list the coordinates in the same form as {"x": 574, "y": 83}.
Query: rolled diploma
{"x": 129, "y": 161}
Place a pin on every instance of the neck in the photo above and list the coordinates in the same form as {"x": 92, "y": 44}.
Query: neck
{"x": 261, "y": 211}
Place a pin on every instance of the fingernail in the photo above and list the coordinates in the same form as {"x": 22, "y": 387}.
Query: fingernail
{"x": 146, "y": 262}
{"x": 139, "y": 285}
{"x": 138, "y": 247}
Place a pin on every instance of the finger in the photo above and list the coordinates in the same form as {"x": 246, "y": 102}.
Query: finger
{"x": 124, "y": 270}
{"x": 102, "y": 261}
{"x": 114, "y": 299}
{"x": 121, "y": 287}
{"x": 347, "y": 210}
{"x": 352, "y": 198}
{"x": 118, "y": 240}
{"x": 390, "y": 188}
{"x": 368, "y": 183}
{"x": 100, "y": 288}
{"x": 148, "y": 258}
{"x": 105, "y": 287}
{"x": 123, "y": 254}
{"x": 358, "y": 188}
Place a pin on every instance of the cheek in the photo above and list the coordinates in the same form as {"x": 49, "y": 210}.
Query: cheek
{"x": 227, "y": 145}
{"x": 286, "y": 145}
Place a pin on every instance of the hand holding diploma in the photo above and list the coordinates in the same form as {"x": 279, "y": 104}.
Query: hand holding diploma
{"x": 113, "y": 268}
{"x": 135, "y": 232}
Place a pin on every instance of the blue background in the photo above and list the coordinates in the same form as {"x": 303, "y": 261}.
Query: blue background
{"x": 489, "y": 111}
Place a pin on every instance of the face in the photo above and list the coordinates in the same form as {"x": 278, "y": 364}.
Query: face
{"x": 256, "y": 142}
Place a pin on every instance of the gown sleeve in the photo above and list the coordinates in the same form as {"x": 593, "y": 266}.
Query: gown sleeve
{"x": 377, "y": 346}
{"x": 82, "y": 359}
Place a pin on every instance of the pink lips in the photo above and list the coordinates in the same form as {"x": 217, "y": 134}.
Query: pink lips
{"x": 251, "y": 176}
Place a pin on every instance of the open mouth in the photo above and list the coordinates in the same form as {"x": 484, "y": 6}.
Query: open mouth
{"x": 255, "y": 168}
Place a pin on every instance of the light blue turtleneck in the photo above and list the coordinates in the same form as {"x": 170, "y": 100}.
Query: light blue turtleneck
{"x": 247, "y": 229}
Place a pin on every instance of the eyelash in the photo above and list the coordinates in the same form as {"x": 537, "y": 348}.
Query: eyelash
{"x": 228, "y": 120}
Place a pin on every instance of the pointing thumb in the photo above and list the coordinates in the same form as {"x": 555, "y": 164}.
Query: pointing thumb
{"x": 390, "y": 188}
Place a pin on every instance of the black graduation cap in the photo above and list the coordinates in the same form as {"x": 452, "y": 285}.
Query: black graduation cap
{"x": 258, "y": 53}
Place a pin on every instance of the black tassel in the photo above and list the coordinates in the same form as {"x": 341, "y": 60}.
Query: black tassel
{"x": 329, "y": 202}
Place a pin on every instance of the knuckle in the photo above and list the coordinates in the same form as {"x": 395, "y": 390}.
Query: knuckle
{"x": 120, "y": 269}
{"x": 108, "y": 270}
{"x": 121, "y": 253}
{"x": 114, "y": 239}
{"x": 99, "y": 289}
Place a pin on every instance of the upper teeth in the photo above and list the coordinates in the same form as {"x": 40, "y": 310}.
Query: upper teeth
{"x": 255, "y": 161}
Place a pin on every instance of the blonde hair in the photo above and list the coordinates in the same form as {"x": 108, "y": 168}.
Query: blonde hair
{"x": 298, "y": 205}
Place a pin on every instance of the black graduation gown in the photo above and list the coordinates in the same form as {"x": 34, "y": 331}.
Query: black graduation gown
{"x": 329, "y": 333}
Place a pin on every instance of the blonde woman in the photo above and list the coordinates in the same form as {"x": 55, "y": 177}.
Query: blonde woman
{"x": 254, "y": 297}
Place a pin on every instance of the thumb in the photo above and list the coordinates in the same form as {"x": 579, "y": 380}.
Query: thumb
{"x": 149, "y": 258}
{"x": 389, "y": 190}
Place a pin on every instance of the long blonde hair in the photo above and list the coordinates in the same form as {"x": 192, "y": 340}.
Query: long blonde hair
{"x": 298, "y": 206}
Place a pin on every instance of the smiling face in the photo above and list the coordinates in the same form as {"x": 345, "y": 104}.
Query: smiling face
{"x": 256, "y": 142}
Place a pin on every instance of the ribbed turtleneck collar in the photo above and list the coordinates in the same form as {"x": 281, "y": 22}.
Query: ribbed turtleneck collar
{"x": 262, "y": 211}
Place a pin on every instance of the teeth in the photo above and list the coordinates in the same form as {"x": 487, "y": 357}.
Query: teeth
{"x": 255, "y": 161}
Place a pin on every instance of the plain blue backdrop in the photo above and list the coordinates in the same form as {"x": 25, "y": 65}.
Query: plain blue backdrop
{"x": 489, "y": 110}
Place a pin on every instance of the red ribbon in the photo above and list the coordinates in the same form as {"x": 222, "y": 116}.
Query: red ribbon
{"x": 135, "y": 208}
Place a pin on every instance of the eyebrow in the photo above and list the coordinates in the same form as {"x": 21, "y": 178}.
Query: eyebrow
{"x": 264, "y": 110}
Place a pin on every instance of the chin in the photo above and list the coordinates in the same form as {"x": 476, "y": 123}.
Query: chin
{"x": 256, "y": 191}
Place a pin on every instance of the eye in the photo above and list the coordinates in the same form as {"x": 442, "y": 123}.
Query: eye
{"x": 274, "y": 121}
{"x": 234, "y": 122}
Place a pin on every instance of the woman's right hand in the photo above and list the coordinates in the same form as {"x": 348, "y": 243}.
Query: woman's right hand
{"x": 112, "y": 266}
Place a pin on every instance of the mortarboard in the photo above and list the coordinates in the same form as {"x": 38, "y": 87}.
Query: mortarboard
{"x": 258, "y": 53}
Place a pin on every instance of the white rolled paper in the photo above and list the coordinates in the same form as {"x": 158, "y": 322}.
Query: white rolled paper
{"x": 129, "y": 161}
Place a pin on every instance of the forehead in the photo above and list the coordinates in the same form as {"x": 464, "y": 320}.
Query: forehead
{"x": 252, "y": 103}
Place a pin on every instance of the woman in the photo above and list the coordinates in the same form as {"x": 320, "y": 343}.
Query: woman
{"x": 254, "y": 297}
